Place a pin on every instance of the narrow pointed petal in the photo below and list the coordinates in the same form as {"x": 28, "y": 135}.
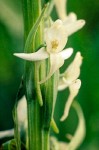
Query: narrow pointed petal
{"x": 41, "y": 54}
{"x": 6, "y": 133}
{"x": 75, "y": 26}
{"x": 56, "y": 61}
{"x": 74, "y": 89}
{"x": 66, "y": 53}
{"x": 62, "y": 85}
{"x": 67, "y": 108}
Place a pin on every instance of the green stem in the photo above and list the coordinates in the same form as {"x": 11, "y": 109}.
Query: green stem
{"x": 39, "y": 118}
{"x": 45, "y": 137}
{"x": 34, "y": 126}
{"x": 34, "y": 112}
{"x": 32, "y": 10}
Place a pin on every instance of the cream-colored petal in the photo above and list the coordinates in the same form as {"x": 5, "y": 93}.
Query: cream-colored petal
{"x": 6, "y": 133}
{"x": 61, "y": 8}
{"x": 41, "y": 54}
{"x": 72, "y": 17}
{"x": 57, "y": 24}
{"x": 63, "y": 146}
{"x": 22, "y": 112}
{"x": 71, "y": 73}
{"x": 66, "y": 53}
{"x": 56, "y": 61}
{"x": 73, "y": 27}
{"x": 73, "y": 70}
{"x": 62, "y": 85}
{"x": 56, "y": 37}
{"x": 74, "y": 89}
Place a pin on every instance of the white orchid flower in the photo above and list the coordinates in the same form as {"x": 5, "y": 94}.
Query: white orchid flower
{"x": 71, "y": 73}
{"x": 55, "y": 39}
{"x": 70, "y": 21}
{"x": 74, "y": 89}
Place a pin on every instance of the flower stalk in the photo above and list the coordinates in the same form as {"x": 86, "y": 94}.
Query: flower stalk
{"x": 32, "y": 10}
{"x": 40, "y": 98}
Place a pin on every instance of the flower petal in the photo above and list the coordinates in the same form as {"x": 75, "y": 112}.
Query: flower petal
{"x": 72, "y": 17}
{"x": 71, "y": 73}
{"x": 56, "y": 61}
{"x": 56, "y": 37}
{"x": 61, "y": 8}
{"x": 74, "y": 89}
{"x": 7, "y": 133}
{"x": 73, "y": 27}
{"x": 22, "y": 111}
{"x": 73, "y": 70}
{"x": 63, "y": 84}
{"x": 41, "y": 54}
{"x": 66, "y": 53}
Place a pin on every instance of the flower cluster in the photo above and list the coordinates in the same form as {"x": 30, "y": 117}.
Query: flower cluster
{"x": 56, "y": 35}
{"x": 53, "y": 49}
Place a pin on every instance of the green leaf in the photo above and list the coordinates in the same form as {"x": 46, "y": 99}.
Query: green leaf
{"x": 11, "y": 145}
{"x": 32, "y": 33}
{"x": 49, "y": 9}
{"x": 50, "y": 99}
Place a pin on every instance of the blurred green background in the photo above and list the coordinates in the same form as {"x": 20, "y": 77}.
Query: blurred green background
{"x": 86, "y": 41}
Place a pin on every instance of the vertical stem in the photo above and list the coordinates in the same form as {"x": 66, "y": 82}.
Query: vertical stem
{"x": 32, "y": 10}
{"x": 34, "y": 126}
{"x": 45, "y": 139}
{"x": 39, "y": 118}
